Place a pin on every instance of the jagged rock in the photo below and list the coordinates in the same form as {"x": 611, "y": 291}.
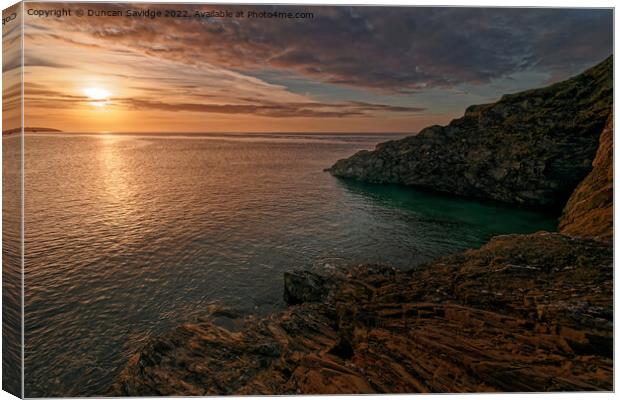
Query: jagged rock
{"x": 305, "y": 286}
{"x": 589, "y": 211}
{"x": 530, "y": 148}
{"x": 522, "y": 313}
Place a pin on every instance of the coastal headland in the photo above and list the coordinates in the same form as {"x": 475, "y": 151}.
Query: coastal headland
{"x": 28, "y": 129}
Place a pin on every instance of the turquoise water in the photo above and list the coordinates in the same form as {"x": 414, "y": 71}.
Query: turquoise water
{"x": 128, "y": 236}
{"x": 474, "y": 221}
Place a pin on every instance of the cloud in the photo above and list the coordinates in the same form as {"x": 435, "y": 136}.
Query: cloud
{"x": 393, "y": 49}
{"x": 39, "y": 95}
{"x": 276, "y": 110}
{"x": 31, "y": 60}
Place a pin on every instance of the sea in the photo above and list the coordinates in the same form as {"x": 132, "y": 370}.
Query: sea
{"x": 130, "y": 235}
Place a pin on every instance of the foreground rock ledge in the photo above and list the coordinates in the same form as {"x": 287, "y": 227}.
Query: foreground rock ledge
{"x": 522, "y": 313}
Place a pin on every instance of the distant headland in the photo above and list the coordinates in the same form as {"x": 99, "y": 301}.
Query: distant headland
{"x": 29, "y": 129}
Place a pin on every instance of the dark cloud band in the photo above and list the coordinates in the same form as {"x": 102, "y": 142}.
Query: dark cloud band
{"x": 394, "y": 49}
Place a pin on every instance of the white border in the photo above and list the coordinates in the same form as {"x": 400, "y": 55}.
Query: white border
{"x": 479, "y": 3}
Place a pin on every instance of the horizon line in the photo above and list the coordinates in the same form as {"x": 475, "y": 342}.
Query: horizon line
{"x": 226, "y": 132}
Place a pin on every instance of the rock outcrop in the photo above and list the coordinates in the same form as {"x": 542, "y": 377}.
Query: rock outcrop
{"x": 589, "y": 211}
{"x": 529, "y": 148}
{"x": 306, "y": 286}
{"x": 523, "y": 313}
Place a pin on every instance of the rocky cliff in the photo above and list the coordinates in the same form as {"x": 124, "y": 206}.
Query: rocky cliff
{"x": 589, "y": 211}
{"x": 530, "y": 148}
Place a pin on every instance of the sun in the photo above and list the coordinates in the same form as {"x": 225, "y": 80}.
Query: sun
{"x": 95, "y": 93}
{"x": 98, "y": 96}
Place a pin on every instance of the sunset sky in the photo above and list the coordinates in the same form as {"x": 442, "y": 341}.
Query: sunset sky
{"x": 348, "y": 69}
